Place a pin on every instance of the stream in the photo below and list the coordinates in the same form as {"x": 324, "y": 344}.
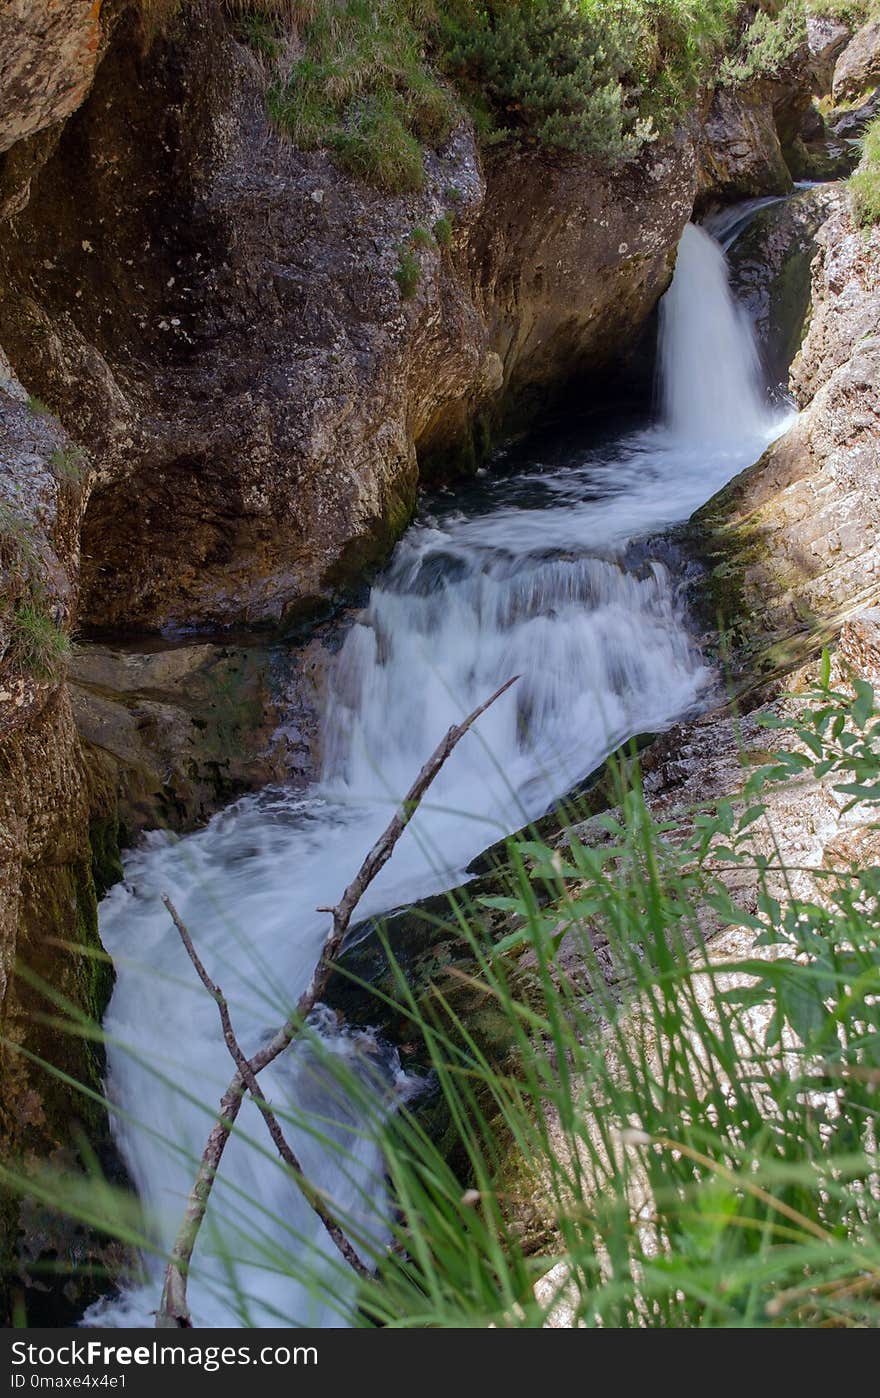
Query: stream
{"x": 555, "y": 572}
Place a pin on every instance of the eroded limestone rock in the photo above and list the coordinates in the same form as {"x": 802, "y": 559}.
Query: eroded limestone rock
{"x": 858, "y": 67}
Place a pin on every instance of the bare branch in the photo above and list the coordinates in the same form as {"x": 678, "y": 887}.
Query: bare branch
{"x": 381, "y": 853}
{"x": 248, "y": 1077}
{"x": 173, "y": 1310}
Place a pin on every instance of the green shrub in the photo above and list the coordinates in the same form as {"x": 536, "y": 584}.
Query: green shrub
{"x": 768, "y": 44}
{"x": 420, "y": 238}
{"x": 408, "y": 273}
{"x": 593, "y": 78}
{"x": 443, "y": 231}
{"x": 38, "y": 407}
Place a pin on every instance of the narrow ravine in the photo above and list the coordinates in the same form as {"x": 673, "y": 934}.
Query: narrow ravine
{"x": 549, "y": 574}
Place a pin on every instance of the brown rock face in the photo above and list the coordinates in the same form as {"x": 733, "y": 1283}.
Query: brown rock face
{"x": 826, "y": 39}
{"x": 568, "y": 260}
{"x": 48, "y": 798}
{"x": 858, "y": 67}
{"x": 48, "y": 53}
{"x": 41, "y": 503}
{"x": 739, "y": 148}
{"x": 747, "y": 132}
{"x": 180, "y": 731}
{"x": 218, "y": 316}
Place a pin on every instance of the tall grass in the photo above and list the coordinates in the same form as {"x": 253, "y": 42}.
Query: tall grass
{"x": 864, "y": 184}
{"x": 622, "y": 1120}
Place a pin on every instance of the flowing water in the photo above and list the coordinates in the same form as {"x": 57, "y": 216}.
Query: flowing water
{"x": 551, "y": 574}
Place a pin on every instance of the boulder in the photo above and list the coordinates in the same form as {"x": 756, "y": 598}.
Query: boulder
{"x": 827, "y": 37}
{"x": 49, "y": 50}
{"x": 858, "y": 67}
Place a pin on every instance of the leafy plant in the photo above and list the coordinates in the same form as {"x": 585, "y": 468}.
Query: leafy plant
{"x": 408, "y": 273}
{"x": 38, "y": 407}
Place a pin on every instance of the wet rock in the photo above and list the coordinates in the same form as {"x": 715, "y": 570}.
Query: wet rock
{"x": 858, "y": 67}
{"x": 845, "y": 302}
{"x": 770, "y": 273}
{"x": 188, "y": 728}
{"x": 739, "y": 149}
{"x": 849, "y": 124}
{"x": 745, "y": 135}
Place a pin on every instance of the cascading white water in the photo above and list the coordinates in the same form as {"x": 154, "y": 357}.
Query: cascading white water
{"x": 546, "y": 580}
{"x": 708, "y": 361}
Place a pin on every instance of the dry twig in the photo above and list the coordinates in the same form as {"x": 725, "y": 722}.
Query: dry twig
{"x": 248, "y": 1077}
{"x": 173, "y": 1311}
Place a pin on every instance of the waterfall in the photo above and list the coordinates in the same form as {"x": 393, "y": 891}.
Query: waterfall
{"x": 549, "y": 573}
{"x": 709, "y": 367}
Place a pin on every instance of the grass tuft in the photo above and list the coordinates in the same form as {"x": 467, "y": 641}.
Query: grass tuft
{"x": 864, "y": 184}
{"x": 68, "y": 464}
{"x": 408, "y": 273}
{"x": 377, "y": 147}
{"x": 362, "y": 88}
{"x": 38, "y": 648}
{"x": 443, "y": 231}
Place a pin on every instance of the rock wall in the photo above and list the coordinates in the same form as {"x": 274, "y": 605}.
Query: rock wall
{"x": 217, "y": 315}
{"x": 792, "y": 543}
{"x": 51, "y": 963}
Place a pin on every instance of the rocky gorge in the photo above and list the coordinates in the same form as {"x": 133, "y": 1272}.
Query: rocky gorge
{"x": 220, "y": 399}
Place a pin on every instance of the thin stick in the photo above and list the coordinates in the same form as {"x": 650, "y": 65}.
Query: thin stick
{"x": 173, "y": 1310}
{"x": 246, "y": 1073}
